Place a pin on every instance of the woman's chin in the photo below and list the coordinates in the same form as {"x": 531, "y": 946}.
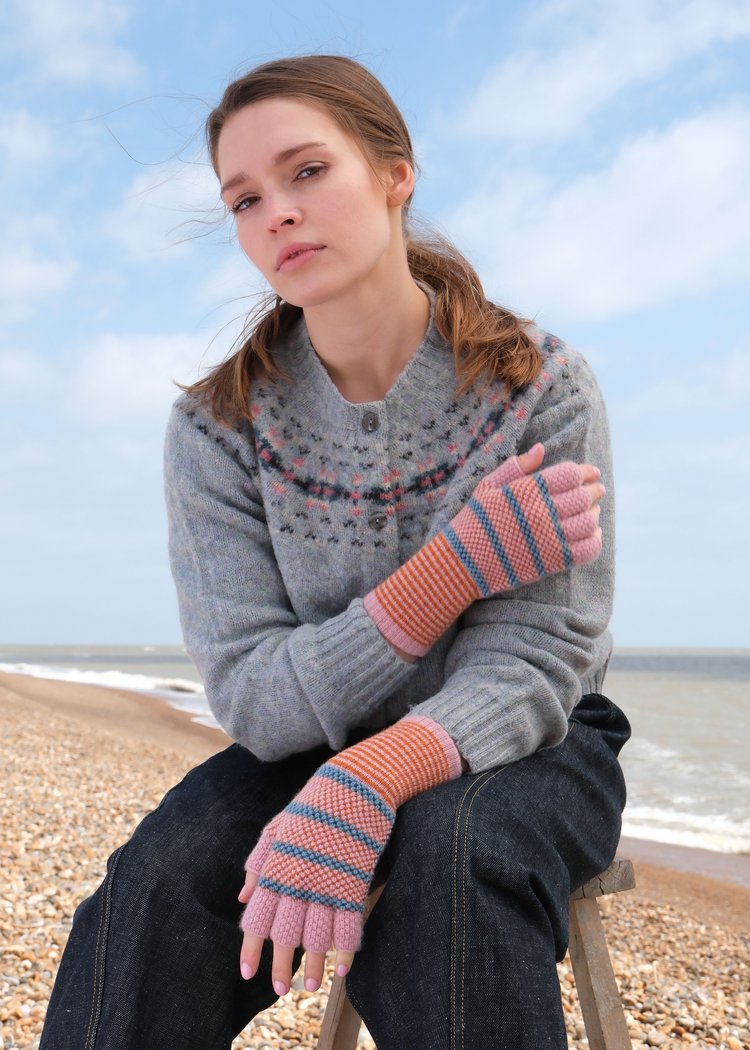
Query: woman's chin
{"x": 309, "y": 297}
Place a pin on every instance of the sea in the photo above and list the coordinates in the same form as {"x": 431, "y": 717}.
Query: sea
{"x": 687, "y": 765}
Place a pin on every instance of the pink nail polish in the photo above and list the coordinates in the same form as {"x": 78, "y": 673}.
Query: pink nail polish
{"x": 246, "y": 970}
{"x": 279, "y": 987}
{"x": 342, "y": 970}
{"x": 311, "y": 985}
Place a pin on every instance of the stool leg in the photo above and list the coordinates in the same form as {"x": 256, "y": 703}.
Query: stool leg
{"x": 341, "y": 1022}
{"x": 603, "y": 1015}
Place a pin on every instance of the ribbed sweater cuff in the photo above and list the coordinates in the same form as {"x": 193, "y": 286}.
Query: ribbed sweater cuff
{"x": 349, "y": 669}
{"x": 491, "y": 733}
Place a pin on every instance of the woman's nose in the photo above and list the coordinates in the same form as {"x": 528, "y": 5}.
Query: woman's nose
{"x": 282, "y": 213}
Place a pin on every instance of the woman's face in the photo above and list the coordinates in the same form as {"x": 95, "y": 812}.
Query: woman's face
{"x": 310, "y": 211}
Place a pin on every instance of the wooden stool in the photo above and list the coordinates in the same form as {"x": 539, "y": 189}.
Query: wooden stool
{"x": 601, "y": 1006}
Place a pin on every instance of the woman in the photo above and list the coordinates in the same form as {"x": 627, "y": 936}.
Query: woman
{"x": 399, "y": 614}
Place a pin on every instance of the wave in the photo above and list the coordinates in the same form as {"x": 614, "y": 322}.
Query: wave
{"x": 181, "y": 693}
{"x": 677, "y": 795}
{"x": 681, "y": 828}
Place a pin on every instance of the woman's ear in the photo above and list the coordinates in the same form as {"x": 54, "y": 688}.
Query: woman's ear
{"x": 400, "y": 185}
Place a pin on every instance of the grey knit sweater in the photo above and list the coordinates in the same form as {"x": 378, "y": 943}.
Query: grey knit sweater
{"x": 280, "y": 527}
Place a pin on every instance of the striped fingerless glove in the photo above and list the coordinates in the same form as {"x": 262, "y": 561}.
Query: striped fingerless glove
{"x": 515, "y": 529}
{"x": 316, "y": 858}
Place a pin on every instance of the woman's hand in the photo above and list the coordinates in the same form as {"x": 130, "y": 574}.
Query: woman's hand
{"x": 520, "y": 524}
{"x": 310, "y": 873}
{"x": 283, "y": 957}
{"x": 532, "y": 460}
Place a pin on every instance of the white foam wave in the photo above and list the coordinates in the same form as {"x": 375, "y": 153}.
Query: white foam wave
{"x": 706, "y": 831}
{"x": 180, "y": 693}
{"x": 677, "y": 795}
{"x": 113, "y": 679}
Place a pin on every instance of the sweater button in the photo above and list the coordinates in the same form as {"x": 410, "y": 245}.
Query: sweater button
{"x": 370, "y": 422}
{"x": 378, "y": 520}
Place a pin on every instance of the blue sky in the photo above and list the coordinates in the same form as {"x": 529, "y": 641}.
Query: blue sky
{"x": 592, "y": 159}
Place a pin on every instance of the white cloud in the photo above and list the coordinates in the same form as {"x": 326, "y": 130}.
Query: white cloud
{"x": 165, "y": 209}
{"x": 231, "y": 292}
{"x": 21, "y": 371}
{"x": 27, "y": 277}
{"x": 24, "y": 139}
{"x": 127, "y": 379}
{"x": 23, "y": 458}
{"x": 548, "y": 94}
{"x": 233, "y": 279}
{"x": 727, "y": 378}
{"x": 34, "y": 263}
{"x": 719, "y": 456}
{"x": 669, "y": 218}
{"x": 228, "y": 293}
{"x": 459, "y": 15}
{"x": 74, "y": 41}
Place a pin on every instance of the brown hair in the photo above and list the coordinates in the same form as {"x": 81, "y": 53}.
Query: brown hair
{"x": 488, "y": 342}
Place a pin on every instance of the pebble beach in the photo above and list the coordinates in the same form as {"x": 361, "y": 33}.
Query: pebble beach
{"x": 81, "y": 765}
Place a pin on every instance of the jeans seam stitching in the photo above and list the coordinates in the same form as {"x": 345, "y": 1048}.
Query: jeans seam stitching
{"x": 475, "y": 786}
{"x": 101, "y": 939}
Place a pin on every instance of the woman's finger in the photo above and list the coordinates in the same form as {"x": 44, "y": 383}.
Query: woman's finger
{"x": 281, "y": 970}
{"x": 344, "y": 962}
{"x": 252, "y": 946}
{"x": 582, "y": 526}
{"x": 595, "y": 490}
{"x": 590, "y": 472}
{"x": 531, "y": 460}
{"x": 251, "y": 881}
{"x": 314, "y": 965}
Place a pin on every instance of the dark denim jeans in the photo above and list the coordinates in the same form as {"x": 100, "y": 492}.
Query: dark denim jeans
{"x": 459, "y": 952}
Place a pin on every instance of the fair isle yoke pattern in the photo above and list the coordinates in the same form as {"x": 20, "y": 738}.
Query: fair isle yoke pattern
{"x": 317, "y": 858}
{"x": 324, "y": 477}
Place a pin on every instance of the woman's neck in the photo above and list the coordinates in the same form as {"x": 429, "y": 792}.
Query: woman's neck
{"x": 366, "y": 346}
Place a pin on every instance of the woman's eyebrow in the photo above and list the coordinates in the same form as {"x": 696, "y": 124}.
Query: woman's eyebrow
{"x": 280, "y": 158}
{"x": 287, "y": 154}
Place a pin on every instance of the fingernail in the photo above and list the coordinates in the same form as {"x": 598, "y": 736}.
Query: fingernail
{"x": 535, "y": 448}
{"x": 279, "y": 987}
{"x": 310, "y": 984}
{"x": 246, "y": 970}
{"x": 604, "y": 491}
{"x": 342, "y": 969}
{"x": 598, "y": 472}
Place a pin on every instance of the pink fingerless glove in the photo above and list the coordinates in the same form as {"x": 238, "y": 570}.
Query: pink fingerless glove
{"x": 316, "y": 858}
{"x": 514, "y": 530}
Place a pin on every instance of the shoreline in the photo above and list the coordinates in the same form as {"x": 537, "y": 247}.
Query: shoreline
{"x": 146, "y": 717}
{"x": 138, "y": 715}
{"x": 83, "y": 764}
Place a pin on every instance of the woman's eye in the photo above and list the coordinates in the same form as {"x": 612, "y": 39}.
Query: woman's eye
{"x": 310, "y": 171}
{"x": 243, "y": 204}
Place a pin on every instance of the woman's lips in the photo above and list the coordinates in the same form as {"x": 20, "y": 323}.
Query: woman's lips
{"x": 298, "y": 257}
